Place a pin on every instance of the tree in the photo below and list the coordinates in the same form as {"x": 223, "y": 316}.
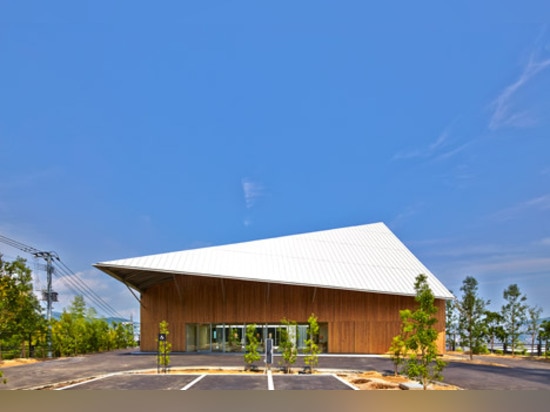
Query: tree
{"x": 398, "y": 351}
{"x": 534, "y": 313}
{"x": 287, "y": 345}
{"x": 251, "y": 355}
{"x": 544, "y": 334}
{"x": 20, "y": 312}
{"x": 164, "y": 347}
{"x": 312, "y": 348}
{"x": 451, "y": 324}
{"x": 421, "y": 336}
{"x": 70, "y": 334}
{"x": 471, "y": 321}
{"x": 514, "y": 314}
{"x": 233, "y": 340}
{"x": 493, "y": 323}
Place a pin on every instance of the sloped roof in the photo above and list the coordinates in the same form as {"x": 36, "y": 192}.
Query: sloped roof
{"x": 368, "y": 258}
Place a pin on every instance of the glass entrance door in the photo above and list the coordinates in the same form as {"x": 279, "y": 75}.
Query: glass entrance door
{"x": 203, "y": 337}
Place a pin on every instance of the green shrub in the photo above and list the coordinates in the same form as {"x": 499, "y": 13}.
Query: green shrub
{"x": 251, "y": 354}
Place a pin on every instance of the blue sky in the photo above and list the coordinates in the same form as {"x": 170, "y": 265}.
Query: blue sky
{"x": 133, "y": 128}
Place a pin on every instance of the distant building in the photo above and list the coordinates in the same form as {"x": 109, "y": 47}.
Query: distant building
{"x": 354, "y": 279}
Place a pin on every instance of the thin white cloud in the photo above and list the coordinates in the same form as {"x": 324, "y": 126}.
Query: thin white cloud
{"x": 252, "y": 191}
{"x": 504, "y": 114}
{"x": 426, "y": 152}
{"x": 540, "y": 203}
{"x": 407, "y": 213}
{"x": 545, "y": 241}
{"x": 452, "y": 152}
{"x": 441, "y": 148}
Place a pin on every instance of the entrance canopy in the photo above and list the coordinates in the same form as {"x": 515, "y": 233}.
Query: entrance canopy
{"x": 368, "y": 258}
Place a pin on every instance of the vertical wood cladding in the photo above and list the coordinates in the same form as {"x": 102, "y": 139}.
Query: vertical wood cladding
{"x": 359, "y": 322}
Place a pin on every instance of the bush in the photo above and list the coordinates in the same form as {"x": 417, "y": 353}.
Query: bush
{"x": 286, "y": 345}
{"x": 251, "y": 354}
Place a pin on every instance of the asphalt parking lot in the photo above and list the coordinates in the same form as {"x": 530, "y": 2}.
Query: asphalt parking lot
{"x": 212, "y": 382}
{"x": 197, "y": 382}
{"x": 132, "y": 370}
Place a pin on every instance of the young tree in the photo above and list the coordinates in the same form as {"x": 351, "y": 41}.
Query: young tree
{"x": 312, "y": 348}
{"x": 493, "y": 322}
{"x": 514, "y": 314}
{"x": 534, "y": 313}
{"x": 544, "y": 334}
{"x": 251, "y": 355}
{"x": 398, "y": 351}
{"x": 164, "y": 347}
{"x": 421, "y": 336}
{"x": 287, "y": 345}
{"x": 471, "y": 321}
{"x": 233, "y": 340}
{"x": 451, "y": 324}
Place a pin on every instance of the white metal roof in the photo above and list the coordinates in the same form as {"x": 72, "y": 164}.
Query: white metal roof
{"x": 368, "y": 258}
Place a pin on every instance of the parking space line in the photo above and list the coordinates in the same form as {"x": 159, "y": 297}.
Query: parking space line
{"x": 86, "y": 381}
{"x": 270, "y": 386}
{"x": 193, "y": 382}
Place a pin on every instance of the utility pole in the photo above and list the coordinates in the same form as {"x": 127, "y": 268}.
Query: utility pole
{"x": 48, "y": 295}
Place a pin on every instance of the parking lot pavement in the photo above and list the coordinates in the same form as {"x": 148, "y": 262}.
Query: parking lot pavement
{"x": 500, "y": 373}
{"x": 135, "y": 382}
{"x": 197, "y": 382}
{"x": 309, "y": 382}
{"x": 231, "y": 382}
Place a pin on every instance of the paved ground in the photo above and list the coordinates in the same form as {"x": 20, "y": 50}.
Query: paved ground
{"x": 509, "y": 374}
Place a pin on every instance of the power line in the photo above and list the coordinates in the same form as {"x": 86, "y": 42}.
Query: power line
{"x": 73, "y": 282}
{"x": 78, "y": 284}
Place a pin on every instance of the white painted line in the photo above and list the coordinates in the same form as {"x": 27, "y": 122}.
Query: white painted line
{"x": 86, "y": 381}
{"x": 355, "y": 388}
{"x": 190, "y": 384}
{"x": 270, "y": 386}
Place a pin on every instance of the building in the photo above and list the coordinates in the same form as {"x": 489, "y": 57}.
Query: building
{"x": 354, "y": 279}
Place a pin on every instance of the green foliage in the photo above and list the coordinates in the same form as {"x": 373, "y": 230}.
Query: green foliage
{"x": 451, "y": 324}
{"x": 534, "y": 313}
{"x": 20, "y": 312}
{"x": 78, "y": 331}
{"x": 4, "y": 380}
{"x": 544, "y": 334}
{"x": 419, "y": 336}
{"x": 514, "y": 314}
{"x": 233, "y": 340}
{"x": 494, "y": 328}
{"x": 472, "y": 312}
{"x": 251, "y": 355}
{"x": 287, "y": 345}
{"x": 398, "y": 352}
{"x": 312, "y": 349}
{"x": 164, "y": 347}
{"x": 23, "y": 326}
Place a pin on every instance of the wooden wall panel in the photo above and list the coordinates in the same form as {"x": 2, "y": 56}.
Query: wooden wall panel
{"x": 342, "y": 337}
{"x": 358, "y": 321}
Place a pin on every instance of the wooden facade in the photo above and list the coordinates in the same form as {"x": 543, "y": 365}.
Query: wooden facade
{"x": 358, "y": 322}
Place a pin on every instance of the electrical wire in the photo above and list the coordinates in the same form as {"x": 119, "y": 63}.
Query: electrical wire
{"x": 73, "y": 282}
{"x": 78, "y": 284}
